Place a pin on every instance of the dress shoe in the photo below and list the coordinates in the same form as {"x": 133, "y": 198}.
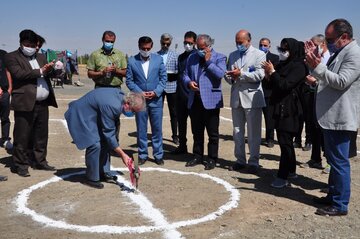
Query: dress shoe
{"x": 209, "y": 164}
{"x": 141, "y": 161}
{"x": 45, "y": 167}
{"x": 94, "y": 184}
{"x": 193, "y": 162}
{"x": 3, "y": 178}
{"x": 322, "y": 200}
{"x": 180, "y": 150}
{"x": 307, "y": 147}
{"x": 330, "y": 211}
{"x": 297, "y": 145}
{"x": 107, "y": 177}
{"x": 23, "y": 172}
{"x": 253, "y": 169}
{"x": 279, "y": 183}
{"x": 159, "y": 162}
{"x": 237, "y": 167}
{"x": 270, "y": 143}
{"x": 175, "y": 140}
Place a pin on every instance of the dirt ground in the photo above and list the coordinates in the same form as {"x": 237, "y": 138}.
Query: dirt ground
{"x": 262, "y": 212}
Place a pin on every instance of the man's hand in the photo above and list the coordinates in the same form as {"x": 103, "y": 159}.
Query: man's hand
{"x": 149, "y": 94}
{"x": 268, "y": 68}
{"x": 111, "y": 69}
{"x": 312, "y": 60}
{"x": 207, "y": 53}
{"x": 234, "y": 74}
{"x": 193, "y": 86}
{"x": 47, "y": 67}
{"x": 310, "y": 80}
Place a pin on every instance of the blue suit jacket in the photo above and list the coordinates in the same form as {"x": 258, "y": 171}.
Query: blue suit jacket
{"x": 156, "y": 80}
{"x": 93, "y": 117}
{"x": 208, "y": 79}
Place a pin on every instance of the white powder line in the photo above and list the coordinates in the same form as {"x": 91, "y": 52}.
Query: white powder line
{"x": 148, "y": 211}
{"x": 146, "y": 208}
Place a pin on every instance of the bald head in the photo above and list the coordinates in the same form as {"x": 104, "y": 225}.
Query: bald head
{"x": 243, "y": 37}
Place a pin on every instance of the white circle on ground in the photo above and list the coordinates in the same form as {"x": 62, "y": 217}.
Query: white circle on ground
{"x": 22, "y": 201}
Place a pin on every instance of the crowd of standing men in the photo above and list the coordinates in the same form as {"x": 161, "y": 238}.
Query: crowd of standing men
{"x": 315, "y": 82}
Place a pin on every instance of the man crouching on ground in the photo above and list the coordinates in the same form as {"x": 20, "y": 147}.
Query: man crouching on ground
{"x": 92, "y": 125}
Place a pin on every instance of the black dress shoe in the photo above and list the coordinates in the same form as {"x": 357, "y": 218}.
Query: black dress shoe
{"x": 180, "y": 150}
{"x": 175, "y": 140}
{"x": 210, "y": 164}
{"x": 193, "y": 162}
{"x": 270, "y": 143}
{"x": 322, "y": 200}
{"x": 106, "y": 177}
{"x": 159, "y": 161}
{"x": 307, "y": 147}
{"x": 330, "y": 211}
{"x": 141, "y": 161}
{"x": 237, "y": 167}
{"x": 45, "y": 167}
{"x": 94, "y": 184}
{"x": 23, "y": 172}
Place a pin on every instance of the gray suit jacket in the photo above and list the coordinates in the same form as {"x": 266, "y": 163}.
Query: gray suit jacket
{"x": 247, "y": 90}
{"x": 338, "y": 92}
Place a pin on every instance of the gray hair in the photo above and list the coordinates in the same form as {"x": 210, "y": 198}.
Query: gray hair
{"x": 166, "y": 36}
{"x": 136, "y": 101}
{"x": 208, "y": 40}
{"x": 319, "y": 38}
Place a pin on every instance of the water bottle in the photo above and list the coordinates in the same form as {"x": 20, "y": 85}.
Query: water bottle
{"x": 108, "y": 74}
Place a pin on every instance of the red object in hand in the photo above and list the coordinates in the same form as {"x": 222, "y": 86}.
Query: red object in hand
{"x": 134, "y": 176}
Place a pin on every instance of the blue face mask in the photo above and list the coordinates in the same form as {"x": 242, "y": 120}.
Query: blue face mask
{"x": 108, "y": 46}
{"x": 264, "y": 49}
{"x": 201, "y": 53}
{"x": 128, "y": 113}
{"x": 241, "y": 48}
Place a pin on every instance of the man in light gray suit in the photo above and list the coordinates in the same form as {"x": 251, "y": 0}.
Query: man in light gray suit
{"x": 337, "y": 109}
{"x": 247, "y": 99}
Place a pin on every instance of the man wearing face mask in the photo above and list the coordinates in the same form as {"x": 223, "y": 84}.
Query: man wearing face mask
{"x": 146, "y": 74}
{"x": 182, "y": 92}
{"x": 247, "y": 99}
{"x": 31, "y": 96}
{"x": 337, "y": 109}
{"x": 170, "y": 59}
{"x": 265, "y": 45}
{"x": 203, "y": 73}
{"x": 107, "y": 65}
{"x": 92, "y": 125}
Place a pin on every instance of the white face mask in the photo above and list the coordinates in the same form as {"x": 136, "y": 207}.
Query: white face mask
{"x": 283, "y": 56}
{"x": 28, "y": 51}
{"x": 188, "y": 47}
{"x": 145, "y": 53}
{"x": 320, "y": 50}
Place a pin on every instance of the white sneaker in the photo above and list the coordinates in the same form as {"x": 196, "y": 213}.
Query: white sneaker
{"x": 8, "y": 145}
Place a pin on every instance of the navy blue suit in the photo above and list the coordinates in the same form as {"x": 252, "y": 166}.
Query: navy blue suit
{"x": 155, "y": 81}
{"x": 92, "y": 125}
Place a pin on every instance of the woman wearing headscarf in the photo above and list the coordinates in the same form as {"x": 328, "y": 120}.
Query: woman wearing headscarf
{"x": 285, "y": 80}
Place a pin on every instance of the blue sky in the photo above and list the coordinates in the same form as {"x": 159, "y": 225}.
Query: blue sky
{"x": 79, "y": 24}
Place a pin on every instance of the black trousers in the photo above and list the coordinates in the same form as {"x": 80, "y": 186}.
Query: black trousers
{"x": 202, "y": 118}
{"x": 182, "y": 113}
{"x": 307, "y": 103}
{"x": 31, "y": 136}
{"x": 171, "y": 102}
{"x": 317, "y": 142}
{"x": 353, "y": 147}
{"x": 269, "y": 122}
{"x": 4, "y": 116}
{"x": 287, "y": 155}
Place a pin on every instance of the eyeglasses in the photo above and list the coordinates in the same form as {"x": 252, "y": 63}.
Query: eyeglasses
{"x": 186, "y": 42}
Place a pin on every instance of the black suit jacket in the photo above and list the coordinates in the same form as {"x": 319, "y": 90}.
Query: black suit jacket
{"x": 274, "y": 59}
{"x": 24, "y": 78}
